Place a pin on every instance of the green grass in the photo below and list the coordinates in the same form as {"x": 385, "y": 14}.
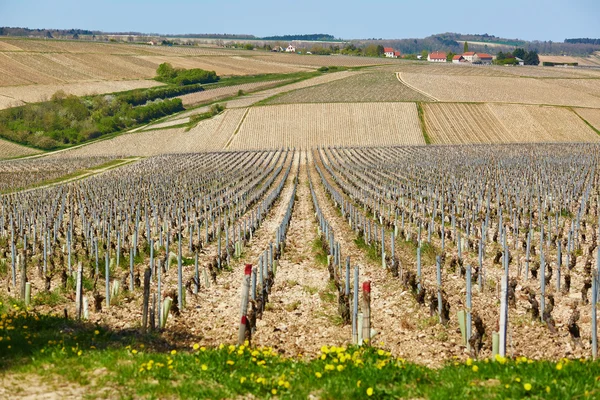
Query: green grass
{"x": 371, "y": 250}
{"x": 422, "y": 123}
{"x": 131, "y": 365}
{"x": 243, "y": 79}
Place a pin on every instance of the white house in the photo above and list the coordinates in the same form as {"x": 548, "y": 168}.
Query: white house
{"x": 290, "y": 49}
{"x": 436, "y": 56}
{"x": 389, "y": 52}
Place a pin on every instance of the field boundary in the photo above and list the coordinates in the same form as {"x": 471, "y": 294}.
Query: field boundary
{"x": 585, "y": 121}
{"x": 399, "y": 77}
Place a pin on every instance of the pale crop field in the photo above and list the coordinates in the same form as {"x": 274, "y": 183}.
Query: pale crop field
{"x": 456, "y": 123}
{"x": 308, "y": 60}
{"x": 589, "y": 86}
{"x": 445, "y": 69}
{"x": 364, "y": 87}
{"x": 497, "y": 89}
{"x": 211, "y": 134}
{"x": 310, "y": 125}
{"x": 12, "y": 150}
{"x": 590, "y": 115}
{"x": 224, "y": 65}
{"x": 225, "y": 91}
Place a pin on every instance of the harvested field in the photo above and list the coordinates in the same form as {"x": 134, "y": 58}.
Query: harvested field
{"x": 324, "y": 61}
{"x": 583, "y": 61}
{"x": 224, "y": 65}
{"x": 589, "y": 86}
{"x": 503, "y": 123}
{"x": 12, "y": 150}
{"x": 247, "y": 101}
{"x": 310, "y": 125}
{"x": 363, "y": 87}
{"x": 210, "y": 134}
{"x": 497, "y": 89}
{"x": 224, "y": 92}
{"x": 445, "y": 69}
{"x": 592, "y": 116}
{"x": 36, "y": 93}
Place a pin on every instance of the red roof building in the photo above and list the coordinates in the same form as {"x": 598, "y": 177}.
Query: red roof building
{"x": 437, "y": 56}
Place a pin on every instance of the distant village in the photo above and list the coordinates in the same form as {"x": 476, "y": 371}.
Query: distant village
{"x": 469, "y": 57}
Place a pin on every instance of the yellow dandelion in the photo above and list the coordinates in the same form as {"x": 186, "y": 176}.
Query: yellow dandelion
{"x": 96, "y": 332}
{"x": 204, "y": 367}
{"x": 134, "y": 351}
{"x": 469, "y": 362}
{"x": 475, "y": 368}
{"x": 358, "y": 383}
{"x": 230, "y": 362}
{"x": 242, "y": 379}
{"x": 527, "y": 386}
{"x": 547, "y": 389}
{"x": 274, "y": 391}
{"x": 340, "y": 368}
{"x": 370, "y": 392}
{"x": 318, "y": 374}
{"x": 196, "y": 346}
{"x": 173, "y": 352}
{"x": 559, "y": 366}
{"x": 79, "y": 353}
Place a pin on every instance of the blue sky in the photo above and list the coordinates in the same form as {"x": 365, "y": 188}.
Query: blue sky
{"x": 350, "y": 19}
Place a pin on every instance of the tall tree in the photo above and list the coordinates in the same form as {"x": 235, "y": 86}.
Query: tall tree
{"x": 450, "y": 56}
{"x": 466, "y": 47}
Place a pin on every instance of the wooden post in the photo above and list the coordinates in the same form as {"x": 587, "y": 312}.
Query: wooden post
{"x": 366, "y": 310}
{"x": 244, "y": 308}
{"x": 355, "y": 308}
{"x": 419, "y": 270}
{"x": 146, "y": 300}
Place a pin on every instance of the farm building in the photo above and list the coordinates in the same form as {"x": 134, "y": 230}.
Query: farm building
{"x": 457, "y": 59}
{"x": 397, "y": 54}
{"x": 469, "y": 56}
{"x": 436, "y": 57}
{"x": 290, "y": 49}
{"x": 482, "y": 58}
{"x": 389, "y": 52}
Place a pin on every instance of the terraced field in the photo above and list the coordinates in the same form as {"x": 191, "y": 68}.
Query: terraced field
{"x": 503, "y": 123}
{"x": 363, "y": 87}
{"x": 329, "y": 124}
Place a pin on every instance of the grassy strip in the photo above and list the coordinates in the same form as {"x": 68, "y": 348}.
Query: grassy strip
{"x": 586, "y": 122}
{"x": 131, "y": 365}
{"x": 422, "y": 123}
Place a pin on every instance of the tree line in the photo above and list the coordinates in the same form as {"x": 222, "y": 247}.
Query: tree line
{"x": 67, "y": 120}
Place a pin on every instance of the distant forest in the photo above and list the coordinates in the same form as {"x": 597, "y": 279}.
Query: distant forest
{"x": 447, "y": 42}
{"x": 50, "y": 33}
{"x": 583, "y": 41}
{"x": 452, "y": 42}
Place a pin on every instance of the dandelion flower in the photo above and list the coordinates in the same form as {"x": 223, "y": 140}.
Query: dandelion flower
{"x": 475, "y": 368}
{"x": 527, "y": 386}
{"x": 96, "y": 332}
{"x": 196, "y": 346}
{"x": 230, "y": 362}
{"x": 358, "y": 383}
{"x": 173, "y": 352}
{"x": 370, "y": 392}
{"x": 469, "y": 361}
{"x": 559, "y": 366}
{"x": 318, "y": 374}
{"x": 204, "y": 367}
{"x": 274, "y": 391}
